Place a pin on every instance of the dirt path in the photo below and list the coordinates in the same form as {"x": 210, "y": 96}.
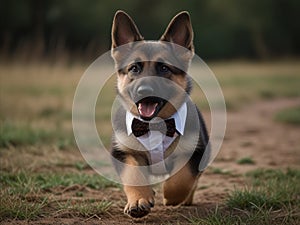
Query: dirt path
{"x": 251, "y": 132}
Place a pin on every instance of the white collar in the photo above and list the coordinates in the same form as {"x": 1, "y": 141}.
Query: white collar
{"x": 179, "y": 117}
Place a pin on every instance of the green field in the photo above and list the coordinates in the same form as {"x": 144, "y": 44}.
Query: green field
{"x": 43, "y": 175}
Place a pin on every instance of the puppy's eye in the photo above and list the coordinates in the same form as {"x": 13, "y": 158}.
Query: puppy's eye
{"x": 163, "y": 69}
{"x": 135, "y": 69}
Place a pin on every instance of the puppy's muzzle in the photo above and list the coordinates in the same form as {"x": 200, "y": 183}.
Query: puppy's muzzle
{"x": 145, "y": 91}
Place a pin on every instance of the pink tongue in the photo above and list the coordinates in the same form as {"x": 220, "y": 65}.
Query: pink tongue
{"x": 147, "y": 109}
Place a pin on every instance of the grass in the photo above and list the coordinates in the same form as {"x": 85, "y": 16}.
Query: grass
{"x": 57, "y": 112}
{"x": 16, "y": 207}
{"x": 15, "y": 189}
{"x": 23, "y": 183}
{"x": 25, "y": 135}
{"x": 259, "y": 82}
{"x": 213, "y": 217}
{"x": 246, "y": 161}
{"x": 266, "y": 87}
{"x": 85, "y": 209}
{"x": 81, "y": 166}
{"x": 271, "y": 197}
{"x": 289, "y": 116}
{"x": 42, "y": 95}
{"x": 220, "y": 171}
{"x": 35, "y": 121}
{"x": 10, "y": 134}
{"x": 269, "y": 189}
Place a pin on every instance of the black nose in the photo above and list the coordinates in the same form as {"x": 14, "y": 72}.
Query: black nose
{"x": 145, "y": 90}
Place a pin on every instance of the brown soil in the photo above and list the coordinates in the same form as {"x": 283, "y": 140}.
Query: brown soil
{"x": 251, "y": 132}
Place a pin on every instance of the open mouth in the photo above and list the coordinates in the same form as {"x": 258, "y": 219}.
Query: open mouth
{"x": 149, "y": 107}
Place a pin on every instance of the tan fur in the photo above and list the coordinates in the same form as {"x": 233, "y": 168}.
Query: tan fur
{"x": 171, "y": 107}
{"x": 171, "y": 148}
{"x": 179, "y": 189}
{"x": 167, "y": 111}
{"x": 139, "y": 198}
{"x": 180, "y": 80}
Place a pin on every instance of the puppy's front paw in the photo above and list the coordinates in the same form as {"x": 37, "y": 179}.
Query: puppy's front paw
{"x": 139, "y": 208}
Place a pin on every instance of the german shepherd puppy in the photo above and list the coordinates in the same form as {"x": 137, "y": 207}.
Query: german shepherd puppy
{"x": 153, "y": 85}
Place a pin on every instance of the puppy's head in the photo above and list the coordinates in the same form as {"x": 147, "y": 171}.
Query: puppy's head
{"x": 152, "y": 75}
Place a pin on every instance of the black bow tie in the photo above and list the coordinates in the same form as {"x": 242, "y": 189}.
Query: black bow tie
{"x": 167, "y": 127}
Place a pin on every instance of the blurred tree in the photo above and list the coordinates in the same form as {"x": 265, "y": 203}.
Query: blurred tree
{"x": 257, "y": 29}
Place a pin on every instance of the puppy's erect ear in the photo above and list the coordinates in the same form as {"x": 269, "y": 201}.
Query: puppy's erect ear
{"x": 124, "y": 30}
{"x": 180, "y": 31}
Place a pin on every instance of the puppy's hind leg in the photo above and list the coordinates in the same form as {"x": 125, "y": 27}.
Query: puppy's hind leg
{"x": 180, "y": 188}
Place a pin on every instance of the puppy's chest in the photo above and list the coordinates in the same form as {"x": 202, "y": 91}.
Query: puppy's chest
{"x": 159, "y": 150}
{"x": 158, "y": 147}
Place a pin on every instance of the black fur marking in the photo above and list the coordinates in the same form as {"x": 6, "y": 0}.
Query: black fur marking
{"x": 120, "y": 156}
{"x": 203, "y": 130}
{"x": 203, "y": 142}
{"x": 189, "y": 85}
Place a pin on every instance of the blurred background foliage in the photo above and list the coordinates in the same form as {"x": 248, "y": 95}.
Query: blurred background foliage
{"x": 250, "y": 29}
